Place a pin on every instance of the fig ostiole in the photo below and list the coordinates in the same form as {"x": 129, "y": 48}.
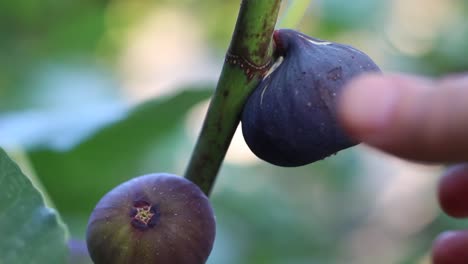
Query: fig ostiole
{"x": 152, "y": 219}
{"x": 290, "y": 118}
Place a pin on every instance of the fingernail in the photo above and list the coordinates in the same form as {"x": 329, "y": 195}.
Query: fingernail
{"x": 368, "y": 103}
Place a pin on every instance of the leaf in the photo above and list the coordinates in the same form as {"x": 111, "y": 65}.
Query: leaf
{"x": 64, "y": 102}
{"x": 146, "y": 141}
{"x": 344, "y": 15}
{"x": 56, "y": 129}
{"x": 31, "y": 232}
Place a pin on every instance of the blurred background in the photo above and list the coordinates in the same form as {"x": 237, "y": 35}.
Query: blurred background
{"x": 93, "y": 93}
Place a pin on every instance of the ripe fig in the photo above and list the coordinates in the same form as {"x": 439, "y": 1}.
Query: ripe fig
{"x": 155, "y": 218}
{"x": 290, "y": 118}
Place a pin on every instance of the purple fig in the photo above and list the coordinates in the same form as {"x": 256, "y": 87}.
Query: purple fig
{"x": 290, "y": 118}
{"x": 156, "y": 218}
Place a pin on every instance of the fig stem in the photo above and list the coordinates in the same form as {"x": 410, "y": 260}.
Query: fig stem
{"x": 247, "y": 59}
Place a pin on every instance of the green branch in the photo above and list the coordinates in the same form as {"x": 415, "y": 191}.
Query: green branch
{"x": 248, "y": 58}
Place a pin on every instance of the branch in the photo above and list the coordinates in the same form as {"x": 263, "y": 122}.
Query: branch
{"x": 248, "y": 58}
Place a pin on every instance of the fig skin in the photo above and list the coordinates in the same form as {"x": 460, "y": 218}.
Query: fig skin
{"x": 156, "y": 218}
{"x": 290, "y": 118}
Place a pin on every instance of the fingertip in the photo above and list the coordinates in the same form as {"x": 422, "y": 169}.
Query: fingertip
{"x": 440, "y": 252}
{"x": 450, "y": 248}
{"x": 412, "y": 117}
{"x": 366, "y": 104}
{"x": 452, "y": 194}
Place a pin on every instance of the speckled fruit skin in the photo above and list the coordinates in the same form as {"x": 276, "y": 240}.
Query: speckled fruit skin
{"x": 290, "y": 119}
{"x": 177, "y": 225}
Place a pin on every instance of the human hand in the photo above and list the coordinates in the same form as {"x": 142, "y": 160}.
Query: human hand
{"x": 421, "y": 120}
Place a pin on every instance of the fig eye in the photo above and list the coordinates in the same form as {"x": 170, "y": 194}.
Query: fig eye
{"x": 144, "y": 215}
{"x": 161, "y": 226}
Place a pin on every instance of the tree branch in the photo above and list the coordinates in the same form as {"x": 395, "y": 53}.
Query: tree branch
{"x": 248, "y": 58}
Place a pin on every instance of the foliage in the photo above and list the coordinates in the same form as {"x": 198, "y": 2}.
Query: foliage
{"x": 31, "y": 232}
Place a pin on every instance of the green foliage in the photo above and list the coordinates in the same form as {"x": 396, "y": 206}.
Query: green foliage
{"x": 31, "y": 232}
{"x": 32, "y": 33}
{"x": 448, "y": 55}
{"x": 143, "y": 142}
{"x": 344, "y": 16}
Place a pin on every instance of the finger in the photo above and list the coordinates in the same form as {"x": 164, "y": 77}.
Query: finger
{"x": 451, "y": 248}
{"x": 411, "y": 117}
{"x": 453, "y": 194}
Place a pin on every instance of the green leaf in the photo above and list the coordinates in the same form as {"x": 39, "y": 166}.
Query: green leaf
{"x": 342, "y": 15}
{"x": 147, "y": 140}
{"x": 30, "y": 232}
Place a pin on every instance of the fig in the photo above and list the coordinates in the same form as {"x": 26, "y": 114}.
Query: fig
{"x": 155, "y": 218}
{"x": 290, "y": 118}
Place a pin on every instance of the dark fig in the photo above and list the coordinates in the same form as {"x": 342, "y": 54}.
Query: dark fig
{"x": 152, "y": 219}
{"x": 290, "y": 118}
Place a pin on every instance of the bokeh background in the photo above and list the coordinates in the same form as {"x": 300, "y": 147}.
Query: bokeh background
{"x": 93, "y": 93}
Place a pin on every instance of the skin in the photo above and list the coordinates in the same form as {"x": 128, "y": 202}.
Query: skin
{"x": 419, "y": 119}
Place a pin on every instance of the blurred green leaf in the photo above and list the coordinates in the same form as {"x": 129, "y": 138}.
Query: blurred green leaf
{"x": 31, "y": 232}
{"x": 143, "y": 142}
{"x": 447, "y": 56}
{"x": 66, "y": 102}
{"x": 32, "y": 32}
{"x": 344, "y": 15}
